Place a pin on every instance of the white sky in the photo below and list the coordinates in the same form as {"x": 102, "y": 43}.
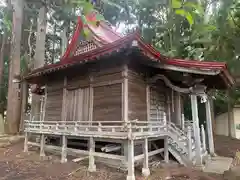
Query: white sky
{"x": 2, "y": 3}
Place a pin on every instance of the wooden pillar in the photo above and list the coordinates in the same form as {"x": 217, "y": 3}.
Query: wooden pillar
{"x": 203, "y": 137}
{"x": 183, "y": 121}
{"x": 194, "y": 105}
{"x": 189, "y": 136}
{"x": 125, "y": 108}
{"x": 91, "y": 166}
{"x": 209, "y": 128}
{"x": 25, "y": 143}
{"x": 131, "y": 173}
{"x": 178, "y": 109}
{"x": 91, "y": 100}
{"x": 42, "y": 144}
{"x": 63, "y": 118}
{"x": 169, "y": 107}
{"x": 64, "y": 149}
{"x": 166, "y": 152}
{"x": 148, "y": 108}
{"x": 148, "y": 101}
{"x": 64, "y": 107}
{"x": 125, "y": 94}
{"x": 145, "y": 169}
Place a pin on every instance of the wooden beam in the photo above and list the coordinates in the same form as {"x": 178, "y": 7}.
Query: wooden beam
{"x": 152, "y": 153}
{"x": 188, "y": 70}
{"x": 107, "y": 83}
{"x": 77, "y": 152}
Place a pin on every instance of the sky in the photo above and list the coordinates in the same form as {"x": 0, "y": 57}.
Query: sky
{"x": 2, "y": 3}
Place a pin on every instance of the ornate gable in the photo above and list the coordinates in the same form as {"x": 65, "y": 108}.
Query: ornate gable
{"x": 89, "y": 36}
{"x": 85, "y": 46}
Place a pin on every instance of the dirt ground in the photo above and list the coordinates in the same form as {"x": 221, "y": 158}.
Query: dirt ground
{"x": 16, "y": 165}
{"x": 225, "y": 146}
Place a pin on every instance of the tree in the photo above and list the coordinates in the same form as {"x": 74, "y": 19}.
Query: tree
{"x": 13, "y": 101}
{"x": 39, "y": 59}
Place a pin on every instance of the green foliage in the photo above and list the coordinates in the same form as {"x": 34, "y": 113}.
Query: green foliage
{"x": 176, "y": 4}
{"x": 185, "y": 14}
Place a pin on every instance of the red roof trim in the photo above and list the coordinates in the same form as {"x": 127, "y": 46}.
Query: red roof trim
{"x": 197, "y": 64}
{"x": 148, "y": 49}
{"x": 85, "y": 56}
{"x": 74, "y": 39}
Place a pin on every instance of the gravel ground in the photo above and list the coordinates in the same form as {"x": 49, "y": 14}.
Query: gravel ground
{"x": 16, "y": 165}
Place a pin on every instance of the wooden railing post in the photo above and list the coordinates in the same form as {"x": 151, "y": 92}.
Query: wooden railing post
{"x": 183, "y": 122}
{"x": 76, "y": 126}
{"x": 203, "y": 137}
{"x": 189, "y": 137}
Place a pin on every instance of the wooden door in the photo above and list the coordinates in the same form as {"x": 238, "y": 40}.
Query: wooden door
{"x": 78, "y": 104}
{"x": 158, "y": 104}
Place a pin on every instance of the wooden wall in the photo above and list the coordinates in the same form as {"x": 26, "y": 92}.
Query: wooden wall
{"x": 137, "y": 102}
{"x": 107, "y": 95}
{"x": 54, "y": 100}
{"x": 106, "y": 85}
{"x": 107, "y": 103}
{"x": 158, "y": 102}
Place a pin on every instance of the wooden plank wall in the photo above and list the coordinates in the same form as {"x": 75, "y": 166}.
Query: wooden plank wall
{"x": 107, "y": 95}
{"x": 54, "y": 100}
{"x": 158, "y": 102}
{"x": 78, "y": 104}
{"x": 137, "y": 102}
{"x": 107, "y": 103}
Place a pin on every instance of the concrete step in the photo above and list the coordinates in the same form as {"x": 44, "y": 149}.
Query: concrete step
{"x": 218, "y": 165}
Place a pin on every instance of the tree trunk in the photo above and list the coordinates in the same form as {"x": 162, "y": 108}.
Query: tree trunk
{"x": 24, "y": 97}
{"x": 14, "y": 101}
{"x": 64, "y": 40}
{"x": 39, "y": 59}
{"x": 4, "y": 40}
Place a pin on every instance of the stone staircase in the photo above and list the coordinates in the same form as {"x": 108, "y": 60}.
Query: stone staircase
{"x": 182, "y": 145}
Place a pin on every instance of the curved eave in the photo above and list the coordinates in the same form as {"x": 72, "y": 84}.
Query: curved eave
{"x": 203, "y": 65}
{"x": 98, "y": 53}
{"x": 134, "y": 39}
